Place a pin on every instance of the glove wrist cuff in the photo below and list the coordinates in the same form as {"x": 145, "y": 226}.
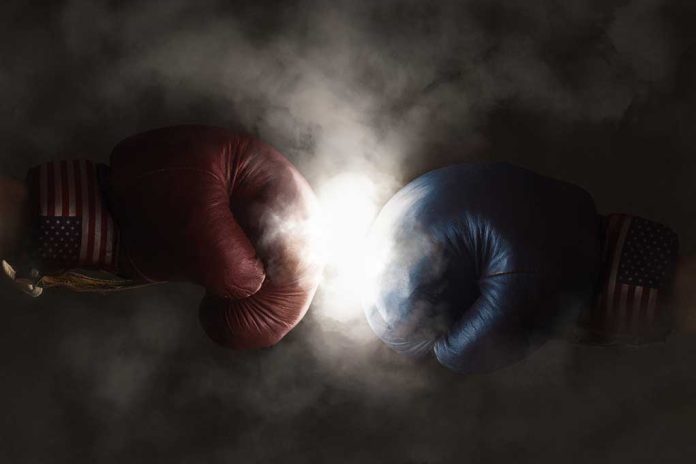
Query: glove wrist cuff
{"x": 72, "y": 225}
{"x": 632, "y": 301}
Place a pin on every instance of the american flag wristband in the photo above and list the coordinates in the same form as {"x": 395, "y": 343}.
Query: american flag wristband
{"x": 73, "y": 227}
{"x": 638, "y": 259}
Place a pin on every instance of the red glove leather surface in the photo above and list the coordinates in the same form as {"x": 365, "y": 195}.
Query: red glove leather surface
{"x": 226, "y": 211}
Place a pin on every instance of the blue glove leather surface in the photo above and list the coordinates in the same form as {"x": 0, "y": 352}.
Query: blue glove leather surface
{"x": 483, "y": 262}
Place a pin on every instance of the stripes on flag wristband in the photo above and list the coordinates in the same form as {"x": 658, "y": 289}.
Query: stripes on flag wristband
{"x": 73, "y": 228}
{"x": 638, "y": 258}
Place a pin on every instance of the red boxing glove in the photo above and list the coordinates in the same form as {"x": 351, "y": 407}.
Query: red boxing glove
{"x": 186, "y": 203}
{"x": 223, "y": 210}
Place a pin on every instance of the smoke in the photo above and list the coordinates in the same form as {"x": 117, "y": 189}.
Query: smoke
{"x": 595, "y": 92}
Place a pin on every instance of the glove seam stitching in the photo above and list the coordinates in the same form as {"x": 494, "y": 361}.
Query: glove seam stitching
{"x": 498, "y": 274}
{"x": 156, "y": 171}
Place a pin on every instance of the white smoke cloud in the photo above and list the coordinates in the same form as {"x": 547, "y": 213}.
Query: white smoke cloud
{"x": 382, "y": 90}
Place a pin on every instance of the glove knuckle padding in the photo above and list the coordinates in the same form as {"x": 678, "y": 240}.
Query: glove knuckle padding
{"x": 202, "y": 204}
{"x": 486, "y": 261}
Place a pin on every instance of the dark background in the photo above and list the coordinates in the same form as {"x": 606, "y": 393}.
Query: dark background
{"x": 597, "y": 92}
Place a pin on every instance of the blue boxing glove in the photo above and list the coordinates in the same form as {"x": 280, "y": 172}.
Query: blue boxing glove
{"x": 481, "y": 263}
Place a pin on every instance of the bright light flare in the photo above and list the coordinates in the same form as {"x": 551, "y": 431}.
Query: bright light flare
{"x": 349, "y": 204}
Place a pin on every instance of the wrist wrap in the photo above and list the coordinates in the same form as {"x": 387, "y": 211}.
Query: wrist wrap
{"x": 72, "y": 225}
{"x": 638, "y": 259}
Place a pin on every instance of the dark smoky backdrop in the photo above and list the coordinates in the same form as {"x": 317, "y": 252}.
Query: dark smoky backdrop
{"x": 601, "y": 93}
